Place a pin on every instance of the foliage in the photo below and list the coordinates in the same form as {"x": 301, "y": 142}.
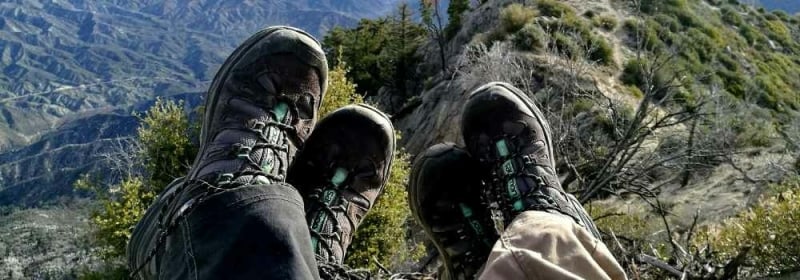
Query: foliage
{"x": 167, "y": 150}
{"x": 380, "y": 52}
{"x": 530, "y": 38}
{"x": 341, "y": 91}
{"x": 455, "y": 11}
{"x": 553, "y": 8}
{"x": 606, "y": 22}
{"x": 636, "y": 73}
{"x": 769, "y": 229}
{"x": 118, "y": 214}
{"x": 515, "y": 16}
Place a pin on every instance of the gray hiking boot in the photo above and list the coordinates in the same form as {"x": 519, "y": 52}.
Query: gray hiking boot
{"x": 512, "y": 140}
{"x": 261, "y": 107}
{"x": 340, "y": 173}
{"x": 444, "y": 194}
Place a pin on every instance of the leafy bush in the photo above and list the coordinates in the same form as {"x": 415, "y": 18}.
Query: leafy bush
{"x": 455, "y": 11}
{"x": 778, "y": 31}
{"x": 637, "y": 73}
{"x": 530, "y": 38}
{"x": 769, "y": 229}
{"x": 167, "y": 152}
{"x": 600, "y": 50}
{"x": 341, "y": 91}
{"x": 553, "y": 8}
{"x": 731, "y": 16}
{"x": 606, "y": 22}
{"x": 515, "y": 16}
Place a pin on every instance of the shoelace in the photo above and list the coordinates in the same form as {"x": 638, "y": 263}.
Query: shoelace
{"x": 325, "y": 200}
{"x": 475, "y": 234}
{"x": 334, "y": 271}
{"x": 505, "y": 194}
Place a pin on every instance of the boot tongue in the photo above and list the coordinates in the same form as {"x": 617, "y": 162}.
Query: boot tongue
{"x": 281, "y": 112}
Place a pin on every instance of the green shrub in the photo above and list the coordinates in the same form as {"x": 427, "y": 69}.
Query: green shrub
{"x": 530, "y": 38}
{"x": 703, "y": 45}
{"x": 341, "y": 91}
{"x": 455, "y": 11}
{"x": 769, "y": 229}
{"x": 781, "y": 15}
{"x": 735, "y": 82}
{"x": 606, "y": 22}
{"x": 634, "y": 91}
{"x": 731, "y": 16}
{"x": 565, "y": 45}
{"x": 752, "y": 35}
{"x": 167, "y": 150}
{"x": 554, "y": 8}
{"x": 778, "y": 31}
{"x": 637, "y": 73}
{"x": 167, "y": 153}
{"x": 515, "y": 16}
{"x": 600, "y": 50}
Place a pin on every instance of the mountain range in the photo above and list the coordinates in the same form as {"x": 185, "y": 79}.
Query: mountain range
{"x": 73, "y": 72}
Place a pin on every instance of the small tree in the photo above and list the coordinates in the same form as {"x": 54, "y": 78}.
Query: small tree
{"x": 164, "y": 149}
{"x": 455, "y": 11}
{"x": 432, "y": 19}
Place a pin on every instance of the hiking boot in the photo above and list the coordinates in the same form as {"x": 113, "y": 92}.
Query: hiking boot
{"x": 444, "y": 194}
{"x": 511, "y": 138}
{"x": 260, "y": 108}
{"x": 340, "y": 173}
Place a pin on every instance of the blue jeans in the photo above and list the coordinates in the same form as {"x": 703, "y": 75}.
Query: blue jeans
{"x": 249, "y": 232}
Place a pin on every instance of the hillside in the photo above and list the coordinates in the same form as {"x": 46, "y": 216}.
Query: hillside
{"x": 74, "y": 71}
{"x": 684, "y": 107}
{"x": 708, "y": 89}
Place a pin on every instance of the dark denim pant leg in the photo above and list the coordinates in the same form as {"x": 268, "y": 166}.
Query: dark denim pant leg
{"x": 252, "y": 232}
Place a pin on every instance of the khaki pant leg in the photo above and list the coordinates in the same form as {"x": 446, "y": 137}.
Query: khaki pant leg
{"x": 541, "y": 245}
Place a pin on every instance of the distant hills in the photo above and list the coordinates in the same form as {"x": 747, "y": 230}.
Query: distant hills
{"x": 72, "y": 72}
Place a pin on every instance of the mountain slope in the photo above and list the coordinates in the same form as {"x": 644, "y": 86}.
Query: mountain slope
{"x": 573, "y": 57}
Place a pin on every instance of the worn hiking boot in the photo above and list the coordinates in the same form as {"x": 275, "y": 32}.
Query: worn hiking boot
{"x": 444, "y": 194}
{"x": 340, "y": 173}
{"x": 512, "y": 140}
{"x": 260, "y": 108}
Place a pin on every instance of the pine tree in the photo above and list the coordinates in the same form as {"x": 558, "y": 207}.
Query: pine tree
{"x": 455, "y": 11}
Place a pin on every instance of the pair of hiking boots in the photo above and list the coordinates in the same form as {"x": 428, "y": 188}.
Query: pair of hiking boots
{"x": 465, "y": 197}
{"x": 257, "y": 129}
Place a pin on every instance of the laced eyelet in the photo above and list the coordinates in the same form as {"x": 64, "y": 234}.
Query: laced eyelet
{"x": 225, "y": 178}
